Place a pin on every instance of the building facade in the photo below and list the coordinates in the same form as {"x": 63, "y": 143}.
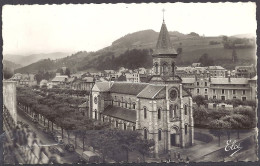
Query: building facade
{"x": 160, "y": 109}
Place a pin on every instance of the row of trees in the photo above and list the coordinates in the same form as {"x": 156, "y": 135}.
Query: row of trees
{"x": 200, "y": 100}
{"x": 57, "y": 109}
{"x": 225, "y": 121}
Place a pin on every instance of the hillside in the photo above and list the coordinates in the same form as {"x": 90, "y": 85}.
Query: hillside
{"x": 10, "y": 65}
{"x": 29, "y": 59}
{"x": 142, "y": 42}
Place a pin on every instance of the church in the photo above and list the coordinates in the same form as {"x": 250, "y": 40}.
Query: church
{"x": 160, "y": 109}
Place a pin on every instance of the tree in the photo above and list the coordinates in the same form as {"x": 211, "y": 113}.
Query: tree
{"x": 205, "y": 60}
{"x": 200, "y": 114}
{"x": 217, "y": 128}
{"x": 8, "y": 73}
{"x": 144, "y": 147}
{"x": 199, "y": 100}
{"x": 67, "y": 72}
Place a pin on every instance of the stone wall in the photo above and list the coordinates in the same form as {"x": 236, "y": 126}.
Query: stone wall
{"x": 9, "y": 98}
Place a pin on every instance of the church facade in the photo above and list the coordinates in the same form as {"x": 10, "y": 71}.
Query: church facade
{"x": 161, "y": 109}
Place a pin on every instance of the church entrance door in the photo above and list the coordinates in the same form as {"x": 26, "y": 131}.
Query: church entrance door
{"x": 173, "y": 141}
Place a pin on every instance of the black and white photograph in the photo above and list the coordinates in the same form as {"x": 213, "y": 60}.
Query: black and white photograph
{"x": 129, "y": 83}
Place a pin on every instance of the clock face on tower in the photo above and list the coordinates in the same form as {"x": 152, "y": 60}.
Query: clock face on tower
{"x": 173, "y": 94}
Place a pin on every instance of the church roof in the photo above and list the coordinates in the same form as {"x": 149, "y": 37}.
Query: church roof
{"x": 103, "y": 86}
{"x": 164, "y": 45}
{"x": 127, "y": 88}
{"x": 121, "y": 113}
{"x": 150, "y": 91}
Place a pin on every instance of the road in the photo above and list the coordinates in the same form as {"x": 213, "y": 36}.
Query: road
{"x": 69, "y": 157}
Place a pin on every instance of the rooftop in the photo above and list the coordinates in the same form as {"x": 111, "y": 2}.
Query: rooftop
{"x": 127, "y": 88}
{"x": 121, "y": 113}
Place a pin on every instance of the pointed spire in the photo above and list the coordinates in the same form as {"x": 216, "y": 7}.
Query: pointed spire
{"x": 164, "y": 45}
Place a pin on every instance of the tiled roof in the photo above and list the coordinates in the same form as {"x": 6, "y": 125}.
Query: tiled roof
{"x": 127, "y": 88}
{"x": 164, "y": 45}
{"x": 225, "y": 81}
{"x": 88, "y": 79}
{"x": 150, "y": 91}
{"x": 122, "y": 78}
{"x": 103, "y": 86}
{"x": 60, "y": 78}
{"x": 188, "y": 80}
{"x": 121, "y": 113}
{"x": 215, "y": 68}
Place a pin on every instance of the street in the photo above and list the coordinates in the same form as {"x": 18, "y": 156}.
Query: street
{"x": 69, "y": 157}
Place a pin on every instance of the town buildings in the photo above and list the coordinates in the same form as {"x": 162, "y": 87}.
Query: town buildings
{"x": 160, "y": 109}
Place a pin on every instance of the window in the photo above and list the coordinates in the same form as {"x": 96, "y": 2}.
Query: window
{"x": 234, "y": 92}
{"x": 112, "y": 102}
{"x": 222, "y": 97}
{"x": 206, "y": 84}
{"x": 198, "y": 90}
{"x": 186, "y": 129}
{"x": 223, "y": 106}
{"x": 214, "y": 105}
{"x": 125, "y": 104}
{"x": 145, "y": 133}
{"x": 198, "y": 83}
{"x": 243, "y": 98}
{"x": 244, "y": 92}
{"x": 96, "y": 114}
{"x": 145, "y": 113}
{"x": 214, "y": 97}
{"x": 206, "y": 97}
{"x": 223, "y": 91}
{"x": 175, "y": 111}
{"x": 156, "y": 68}
{"x": 206, "y": 90}
{"x": 116, "y": 124}
{"x": 159, "y": 113}
{"x": 133, "y": 128}
{"x": 134, "y": 106}
{"x": 234, "y": 97}
{"x": 103, "y": 119}
{"x": 164, "y": 68}
{"x": 185, "y": 109}
{"x": 124, "y": 126}
{"x": 171, "y": 111}
{"x": 159, "y": 134}
{"x": 214, "y": 91}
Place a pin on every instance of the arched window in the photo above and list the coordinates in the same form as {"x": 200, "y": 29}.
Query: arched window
{"x": 156, "y": 66}
{"x": 164, "y": 68}
{"x": 159, "y": 134}
{"x": 186, "y": 129}
{"x": 124, "y": 126}
{"x": 96, "y": 114}
{"x": 159, "y": 113}
{"x": 173, "y": 67}
{"x": 171, "y": 111}
{"x": 175, "y": 110}
{"x": 145, "y": 133}
{"x": 185, "y": 109}
{"x": 145, "y": 113}
{"x": 134, "y": 106}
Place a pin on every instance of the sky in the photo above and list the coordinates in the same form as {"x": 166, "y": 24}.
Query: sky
{"x": 32, "y": 29}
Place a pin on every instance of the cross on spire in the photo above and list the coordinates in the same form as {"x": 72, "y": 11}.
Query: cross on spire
{"x": 163, "y": 10}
